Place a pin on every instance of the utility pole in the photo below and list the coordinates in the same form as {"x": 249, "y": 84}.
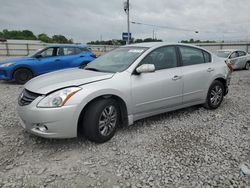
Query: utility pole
{"x": 126, "y": 9}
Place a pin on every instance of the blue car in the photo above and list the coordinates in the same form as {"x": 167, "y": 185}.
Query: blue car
{"x": 51, "y": 58}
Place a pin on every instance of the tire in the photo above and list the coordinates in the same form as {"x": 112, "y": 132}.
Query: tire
{"x": 22, "y": 75}
{"x": 247, "y": 66}
{"x": 96, "y": 127}
{"x": 215, "y": 95}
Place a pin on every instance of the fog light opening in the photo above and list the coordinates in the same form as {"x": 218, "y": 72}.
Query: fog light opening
{"x": 42, "y": 128}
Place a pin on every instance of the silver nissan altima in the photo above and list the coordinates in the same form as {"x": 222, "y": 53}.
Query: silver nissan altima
{"x": 127, "y": 84}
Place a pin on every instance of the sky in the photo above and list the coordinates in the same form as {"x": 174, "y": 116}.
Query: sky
{"x": 88, "y": 20}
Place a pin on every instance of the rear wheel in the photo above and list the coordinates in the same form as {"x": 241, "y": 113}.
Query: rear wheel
{"x": 215, "y": 95}
{"x": 247, "y": 66}
{"x": 101, "y": 120}
{"x": 22, "y": 75}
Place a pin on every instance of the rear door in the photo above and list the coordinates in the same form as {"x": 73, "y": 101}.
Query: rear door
{"x": 70, "y": 57}
{"x": 160, "y": 89}
{"x": 242, "y": 59}
{"x": 197, "y": 71}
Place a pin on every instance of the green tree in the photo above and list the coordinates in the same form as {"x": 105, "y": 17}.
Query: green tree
{"x": 28, "y": 35}
{"x": 191, "y": 41}
{"x": 1, "y": 35}
{"x": 138, "y": 40}
{"x": 25, "y": 34}
{"x": 61, "y": 39}
{"x": 44, "y": 38}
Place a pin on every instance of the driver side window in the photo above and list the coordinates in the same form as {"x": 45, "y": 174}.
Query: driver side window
{"x": 162, "y": 58}
{"x": 48, "y": 52}
{"x": 234, "y": 55}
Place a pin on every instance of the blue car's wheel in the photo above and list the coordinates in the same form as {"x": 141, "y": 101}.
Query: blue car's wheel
{"x": 84, "y": 64}
{"x": 22, "y": 75}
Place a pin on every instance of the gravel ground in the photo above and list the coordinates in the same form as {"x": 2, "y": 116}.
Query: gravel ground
{"x": 192, "y": 147}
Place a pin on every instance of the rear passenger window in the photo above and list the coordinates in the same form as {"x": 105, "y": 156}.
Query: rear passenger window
{"x": 77, "y": 50}
{"x": 191, "y": 56}
{"x": 71, "y": 51}
{"x": 241, "y": 53}
{"x": 85, "y": 49}
{"x": 207, "y": 57}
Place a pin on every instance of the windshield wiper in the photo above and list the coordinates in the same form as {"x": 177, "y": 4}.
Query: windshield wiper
{"x": 93, "y": 69}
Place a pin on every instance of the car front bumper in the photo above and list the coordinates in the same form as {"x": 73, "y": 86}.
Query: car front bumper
{"x": 48, "y": 122}
{"x": 5, "y": 74}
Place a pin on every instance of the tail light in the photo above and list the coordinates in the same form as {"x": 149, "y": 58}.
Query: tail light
{"x": 93, "y": 55}
{"x": 229, "y": 65}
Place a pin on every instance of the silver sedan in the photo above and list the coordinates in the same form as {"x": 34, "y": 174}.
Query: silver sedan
{"x": 127, "y": 84}
{"x": 239, "y": 59}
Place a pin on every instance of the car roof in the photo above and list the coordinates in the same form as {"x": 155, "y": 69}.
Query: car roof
{"x": 67, "y": 45}
{"x": 159, "y": 44}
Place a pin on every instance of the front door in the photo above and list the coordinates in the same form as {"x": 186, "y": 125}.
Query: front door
{"x": 160, "y": 89}
{"x": 48, "y": 61}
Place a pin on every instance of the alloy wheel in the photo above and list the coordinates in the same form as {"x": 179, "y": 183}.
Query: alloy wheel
{"x": 247, "y": 66}
{"x": 216, "y": 95}
{"x": 107, "y": 120}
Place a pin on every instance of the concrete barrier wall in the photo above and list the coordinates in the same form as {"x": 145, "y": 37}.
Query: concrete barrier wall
{"x": 24, "y": 49}
{"x": 213, "y": 47}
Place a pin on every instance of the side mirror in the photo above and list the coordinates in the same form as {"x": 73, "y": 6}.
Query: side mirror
{"x": 38, "y": 56}
{"x": 145, "y": 68}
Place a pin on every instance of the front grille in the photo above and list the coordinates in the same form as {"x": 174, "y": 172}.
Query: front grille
{"x": 27, "y": 97}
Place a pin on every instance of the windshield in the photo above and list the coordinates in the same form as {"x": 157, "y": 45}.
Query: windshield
{"x": 223, "y": 54}
{"x": 116, "y": 60}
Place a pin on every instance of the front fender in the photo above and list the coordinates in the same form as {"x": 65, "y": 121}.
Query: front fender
{"x": 22, "y": 66}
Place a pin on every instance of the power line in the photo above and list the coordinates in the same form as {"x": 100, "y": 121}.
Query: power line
{"x": 184, "y": 29}
{"x": 166, "y": 27}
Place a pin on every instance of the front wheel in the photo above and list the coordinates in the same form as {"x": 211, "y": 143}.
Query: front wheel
{"x": 247, "y": 66}
{"x": 22, "y": 75}
{"x": 84, "y": 64}
{"x": 215, "y": 95}
{"x": 101, "y": 120}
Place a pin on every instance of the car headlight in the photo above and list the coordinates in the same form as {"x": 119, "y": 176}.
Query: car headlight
{"x": 58, "y": 98}
{"x": 7, "y": 64}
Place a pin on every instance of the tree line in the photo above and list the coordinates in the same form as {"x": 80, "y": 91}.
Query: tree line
{"x": 29, "y": 35}
{"x": 198, "y": 41}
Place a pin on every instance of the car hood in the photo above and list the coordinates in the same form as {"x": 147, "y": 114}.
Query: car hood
{"x": 47, "y": 83}
{"x": 17, "y": 60}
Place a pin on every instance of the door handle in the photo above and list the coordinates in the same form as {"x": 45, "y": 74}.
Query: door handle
{"x": 210, "y": 69}
{"x": 57, "y": 60}
{"x": 82, "y": 56}
{"x": 176, "y": 77}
